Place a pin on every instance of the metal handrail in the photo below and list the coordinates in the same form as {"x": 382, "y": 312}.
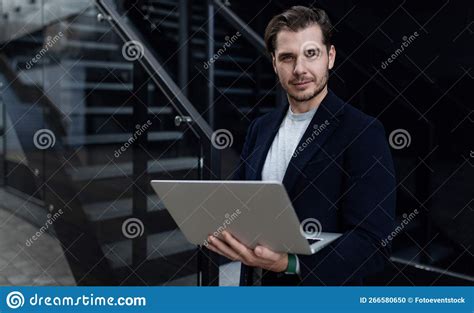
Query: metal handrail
{"x": 153, "y": 67}
{"x": 210, "y": 163}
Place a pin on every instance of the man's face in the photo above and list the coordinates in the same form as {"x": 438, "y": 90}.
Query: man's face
{"x": 302, "y": 62}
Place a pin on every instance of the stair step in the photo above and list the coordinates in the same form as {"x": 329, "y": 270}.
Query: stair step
{"x": 95, "y": 172}
{"x": 81, "y": 44}
{"x": 172, "y": 25}
{"x": 125, "y": 110}
{"x": 96, "y": 86}
{"x": 97, "y": 64}
{"x": 105, "y": 210}
{"x": 226, "y": 58}
{"x": 173, "y": 269}
{"x": 119, "y": 138}
{"x": 244, "y": 91}
{"x": 160, "y": 245}
{"x": 161, "y": 13}
{"x": 230, "y": 73}
{"x": 72, "y": 85}
{"x": 83, "y": 28}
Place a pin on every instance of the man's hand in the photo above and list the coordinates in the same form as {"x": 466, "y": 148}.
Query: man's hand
{"x": 261, "y": 257}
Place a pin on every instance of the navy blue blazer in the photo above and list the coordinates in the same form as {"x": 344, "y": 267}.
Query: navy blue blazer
{"x": 341, "y": 174}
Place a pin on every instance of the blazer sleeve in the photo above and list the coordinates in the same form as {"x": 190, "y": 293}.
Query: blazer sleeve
{"x": 367, "y": 215}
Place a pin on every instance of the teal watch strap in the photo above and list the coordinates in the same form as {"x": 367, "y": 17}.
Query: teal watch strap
{"x": 291, "y": 268}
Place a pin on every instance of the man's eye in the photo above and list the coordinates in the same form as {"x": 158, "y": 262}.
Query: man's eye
{"x": 312, "y": 53}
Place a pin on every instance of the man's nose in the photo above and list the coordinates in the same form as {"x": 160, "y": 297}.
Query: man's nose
{"x": 300, "y": 67}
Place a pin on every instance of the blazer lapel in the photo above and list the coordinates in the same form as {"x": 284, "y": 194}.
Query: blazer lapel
{"x": 320, "y": 128}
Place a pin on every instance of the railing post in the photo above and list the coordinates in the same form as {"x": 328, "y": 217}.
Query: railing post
{"x": 210, "y": 71}
{"x": 140, "y": 161}
{"x": 183, "y": 46}
{"x": 3, "y": 125}
{"x": 208, "y": 261}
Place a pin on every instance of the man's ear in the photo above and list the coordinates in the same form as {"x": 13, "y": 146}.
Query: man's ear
{"x": 274, "y": 63}
{"x": 332, "y": 57}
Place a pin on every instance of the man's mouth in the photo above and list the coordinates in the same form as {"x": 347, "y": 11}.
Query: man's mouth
{"x": 302, "y": 84}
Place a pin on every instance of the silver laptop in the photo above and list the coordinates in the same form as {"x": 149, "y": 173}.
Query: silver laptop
{"x": 255, "y": 212}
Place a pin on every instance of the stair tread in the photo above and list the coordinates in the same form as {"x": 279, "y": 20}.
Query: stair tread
{"x": 159, "y": 245}
{"x": 119, "y": 138}
{"x": 86, "y": 173}
{"x": 104, "y": 210}
{"x": 125, "y": 110}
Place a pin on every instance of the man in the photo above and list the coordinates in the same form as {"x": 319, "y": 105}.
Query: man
{"x": 333, "y": 160}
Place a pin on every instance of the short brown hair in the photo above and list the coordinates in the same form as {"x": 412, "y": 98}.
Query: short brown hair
{"x": 297, "y": 18}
